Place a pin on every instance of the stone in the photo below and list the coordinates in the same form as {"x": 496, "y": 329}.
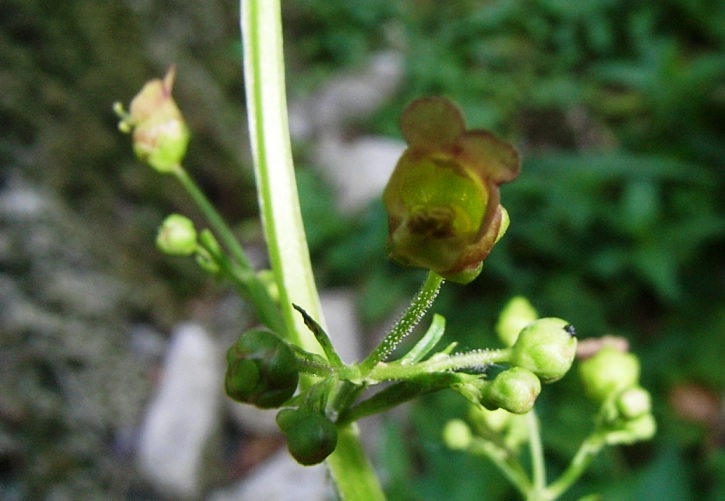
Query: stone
{"x": 279, "y": 478}
{"x": 358, "y": 169}
{"x": 183, "y": 416}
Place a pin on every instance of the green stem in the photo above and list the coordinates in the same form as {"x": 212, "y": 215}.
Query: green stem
{"x": 579, "y": 464}
{"x": 246, "y": 283}
{"x": 261, "y": 24}
{"x": 422, "y": 301}
{"x": 437, "y": 363}
{"x": 348, "y": 465}
{"x": 429, "y": 341}
{"x": 538, "y": 465}
{"x": 217, "y": 223}
{"x": 274, "y": 169}
{"x": 504, "y": 461}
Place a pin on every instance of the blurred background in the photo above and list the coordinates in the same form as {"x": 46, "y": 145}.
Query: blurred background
{"x": 110, "y": 352}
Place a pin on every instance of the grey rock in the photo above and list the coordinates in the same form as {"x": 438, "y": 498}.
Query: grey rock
{"x": 359, "y": 169}
{"x": 68, "y": 380}
{"x": 183, "y": 416}
{"x": 279, "y": 478}
{"x": 347, "y": 97}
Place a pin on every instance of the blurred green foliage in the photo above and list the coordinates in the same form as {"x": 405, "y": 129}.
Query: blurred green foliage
{"x": 618, "y": 222}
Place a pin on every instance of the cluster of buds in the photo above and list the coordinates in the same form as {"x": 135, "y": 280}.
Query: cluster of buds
{"x": 541, "y": 351}
{"x": 262, "y": 370}
{"x": 611, "y": 379}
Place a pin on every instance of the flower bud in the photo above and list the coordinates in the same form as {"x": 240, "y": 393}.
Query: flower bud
{"x": 442, "y": 199}
{"x": 642, "y": 428}
{"x": 517, "y": 314}
{"x": 160, "y": 135}
{"x": 633, "y": 431}
{"x": 261, "y": 370}
{"x": 514, "y": 390}
{"x": 311, "y": 437}
{"x": 207, "y": 250}
{"x": 546, "y": 347}
{"x": 634, "y": 402}
{"x": 177, "y": 236}
{"x": 457, "y": 434}
{"x": 608, "y": 372}
{"x": 488, "y": 420}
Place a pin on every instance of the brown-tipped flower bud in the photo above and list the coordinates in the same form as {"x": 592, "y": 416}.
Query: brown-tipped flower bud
{"x": 546, "y": 347}
{"x": 443, "y": 196}
{"x": 160, "y": 135}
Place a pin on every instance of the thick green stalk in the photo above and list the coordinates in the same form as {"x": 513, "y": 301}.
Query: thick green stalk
{"x": 274, "y": 169}
{"x": 267, "y": 112}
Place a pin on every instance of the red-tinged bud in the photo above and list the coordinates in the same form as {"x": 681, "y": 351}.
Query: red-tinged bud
{"x": 160, "y": 135}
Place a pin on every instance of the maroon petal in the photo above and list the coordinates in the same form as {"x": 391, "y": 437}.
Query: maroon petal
{"x": 492, "y": 158}
{"x": 432, "y": 123}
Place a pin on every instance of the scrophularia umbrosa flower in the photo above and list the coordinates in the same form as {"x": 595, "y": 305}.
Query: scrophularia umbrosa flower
{"x": 443, "y": 197}
{"x": 160, "y": 134}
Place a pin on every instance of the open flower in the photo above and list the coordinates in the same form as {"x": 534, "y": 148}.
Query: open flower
{"x": 443, "y": 196}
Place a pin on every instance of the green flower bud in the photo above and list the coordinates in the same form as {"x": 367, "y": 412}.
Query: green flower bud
{"x": 517, "y": 314}
{"x": 457, "y": 434}
{"x": 160, "y": 135}
{"x": 546, "y": 347}
{"x": 177, "y": 236}
{"x": 442, "y": 199}
{"x": 642, "y": 428}
{"x": 514, "y": 390}
{"x": 608, "y": 372}
{"x": 311, "y": 437}
{"x": 634, "y": 402}
{"x": 633, "y": 431}
{"x": 261, "y": 370}
{"x": 492, "y": 420}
